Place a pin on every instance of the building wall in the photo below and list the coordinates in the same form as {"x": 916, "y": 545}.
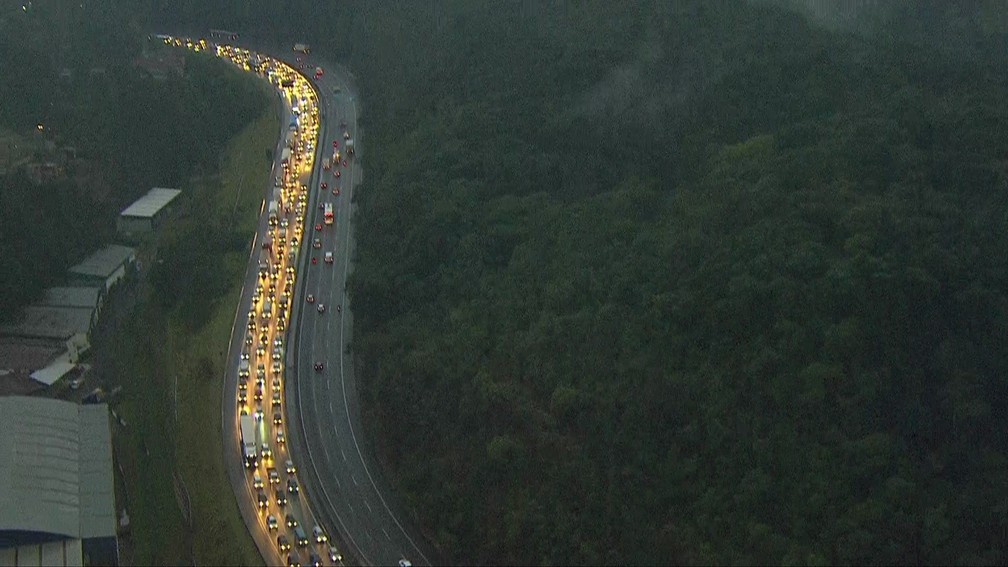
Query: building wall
{"x": 134, "y": 226}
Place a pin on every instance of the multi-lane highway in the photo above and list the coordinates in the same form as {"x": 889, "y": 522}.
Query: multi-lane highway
{"x": 291, "y": 331}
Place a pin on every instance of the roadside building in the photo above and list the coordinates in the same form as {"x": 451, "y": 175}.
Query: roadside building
{"x": 57, "y": 497}
{"x": 69, "y": 326}
{"x": 104, "y": 268}
{"x": 146, "y": 214}
{"x": 76, "y": 298}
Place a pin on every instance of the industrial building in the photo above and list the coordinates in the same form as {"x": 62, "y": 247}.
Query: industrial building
{"x": 146, "y": 214}
{"x": 70, "y": 326}
{"x": 76, "y": 298}
{"x": 57, "y": 498}
{"x": 104, "y": 268}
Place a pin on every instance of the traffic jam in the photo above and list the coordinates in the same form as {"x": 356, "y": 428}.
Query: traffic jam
{"x": 271, "y": 473}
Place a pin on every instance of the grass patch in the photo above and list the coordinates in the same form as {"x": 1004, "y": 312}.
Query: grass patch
{"x": 157, "y": 344}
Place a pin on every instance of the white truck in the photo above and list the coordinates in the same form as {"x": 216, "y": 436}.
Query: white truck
{"x": 301, "y": 48}
{"x": 285, "y": 155}
{"x": 273, "y": 208}
{"x": 248, "y": 437}
{"x": 349, "y": 147}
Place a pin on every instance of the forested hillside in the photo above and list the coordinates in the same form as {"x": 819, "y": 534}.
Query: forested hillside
{"x": 70, "y": 69}
{"x": 684, "y": 282}
{"x": 731, "y": 290}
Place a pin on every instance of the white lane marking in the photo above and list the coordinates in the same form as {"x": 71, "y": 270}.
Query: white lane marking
{"x": 344, "y": 454}
{"x": 386, "y": 534}
{"x": 354, "y": 479}
{"x": 370, "y": 510}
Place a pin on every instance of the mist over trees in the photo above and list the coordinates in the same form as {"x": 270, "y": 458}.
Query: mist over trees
{"x": 677, "y": 282}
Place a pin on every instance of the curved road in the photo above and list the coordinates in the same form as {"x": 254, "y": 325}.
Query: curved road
{"x": 324, "y": 418}
{"x": 322, "y": 421}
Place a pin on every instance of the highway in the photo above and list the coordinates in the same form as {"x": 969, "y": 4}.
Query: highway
{"x": 337, "y": 471}
{"x": 291, "y": 332}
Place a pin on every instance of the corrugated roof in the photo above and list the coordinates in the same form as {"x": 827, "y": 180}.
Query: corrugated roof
{"x": 105, "y": 261}
{"x": 148, "y": 205}
{"x": 51, "y": 322}
{"x": 71, "y": 296}
{"x": 56, "y": 468}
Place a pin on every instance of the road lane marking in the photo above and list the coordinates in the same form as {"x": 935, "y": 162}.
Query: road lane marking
{"x": 386, "y": 534}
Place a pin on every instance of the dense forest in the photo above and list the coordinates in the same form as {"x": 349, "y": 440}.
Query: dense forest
{"x": 130, "y": 133}
{"x": 679, "y": 282}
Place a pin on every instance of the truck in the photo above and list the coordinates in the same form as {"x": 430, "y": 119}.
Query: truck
{"x": 248, "y": 438}
{"x": 328, "y": 213}
{"x": 285, "y": 155}
{"x": 301, "y": 48}
{"x": 273, "y": 208}
{"x": 349, "y": 147}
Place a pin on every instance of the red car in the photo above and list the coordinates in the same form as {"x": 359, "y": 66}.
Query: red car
{"x": 335, "y": 144}
{"x": 344, "y": 163}
{"x": 324, "y": 185}
{"x": 314, "y": 261}
{"x": 318, "y": 227}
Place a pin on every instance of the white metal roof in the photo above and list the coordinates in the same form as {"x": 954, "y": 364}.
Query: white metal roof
{"x": 105, "y": 262}
{"x": 148, "y": 205}
{"x": 56, "y": 468}
{"x": 72, "y": 297}
{"x": 50, "y": 374}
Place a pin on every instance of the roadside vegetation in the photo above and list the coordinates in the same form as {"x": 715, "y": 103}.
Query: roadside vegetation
{"x": 697, "y": 283}
{"x": 163, "y": 335}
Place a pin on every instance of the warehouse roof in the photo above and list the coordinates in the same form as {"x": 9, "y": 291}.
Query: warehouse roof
{"x": 55, "y": 470}
{"x": 51, "y": 322}
{"x": 71, "y": 296}
{"x": 50, "y": 374}
{"x": 104, "y": 262}
{"x": 148, "y": 205}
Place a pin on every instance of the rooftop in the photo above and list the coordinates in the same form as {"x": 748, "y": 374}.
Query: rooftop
{"x": 71, "y": 296}
{"x": 51, "y": 322}
{"x": 104, "y": 262}
{"x": 148, "y": 205}
{"x": 55, "y": 470}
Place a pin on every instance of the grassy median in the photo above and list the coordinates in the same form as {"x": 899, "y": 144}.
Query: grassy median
{"x": 174, "y": 484}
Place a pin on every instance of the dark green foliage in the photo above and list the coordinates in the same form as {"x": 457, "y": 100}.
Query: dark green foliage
{"x": 728, "y": 291}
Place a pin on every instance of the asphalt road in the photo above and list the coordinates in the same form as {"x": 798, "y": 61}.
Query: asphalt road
{"x": 323, "y": 411}
{"x": 339, "y": 487}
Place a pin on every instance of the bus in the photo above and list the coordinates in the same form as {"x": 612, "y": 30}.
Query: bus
{"x": 328, "y": 213}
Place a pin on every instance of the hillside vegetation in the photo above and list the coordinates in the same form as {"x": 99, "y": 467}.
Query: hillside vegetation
{"x": 683, "y": 282}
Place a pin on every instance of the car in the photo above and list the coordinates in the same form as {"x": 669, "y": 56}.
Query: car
{"x": 258, "y": 395}
{"x": 314, "y": 560}
{"x": 293, "y": 560}
{"x": 324, "y": 186}
{"x": 310, "y": 298}
{"x": 290, "y": 467}
{"x": 328, "y": 258}
{"x": 317, "y": 243}
{"x": 314, "y": 261}
{"x": 292, "y": 486}
{"x": 299, "y": 535}
{"x": 280, "y": 437}
{"x": 267, "y": 453}
{"x": 319, "y": 366}
{"x": 321, "y": 308}
{"x": 346, "y": 135}
{"x": 344, "y": 163}
{"x": 276, "y": 382}
{"x": 281, "y": 497}
{"x": 262, "y": 499}
{"x": 405, "y": 563}
{"x": 282, "y": 543}
{"x": 257, "y": 480}
{"x": 291, "y": 521}
{"x": 249, "y": 339}
{"x": 334, "y": 554}
{"x": 319, "y": 535}
{"x": 318, "y": 226}
{"x": 273, "y": 475}
{"x": 335, "y": 191}
{"x": 276, "y": 400}
{"x": 336, "y": 173}
{"x": 244, "y": 355}
{"x": 259, "y": 417}
{"x": 271, "y": 523}
{"x": 242, "y": 398}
